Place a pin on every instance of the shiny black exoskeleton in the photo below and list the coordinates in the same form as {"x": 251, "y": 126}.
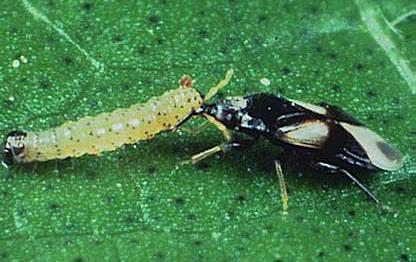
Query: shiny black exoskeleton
{"x": 321, "y": 136}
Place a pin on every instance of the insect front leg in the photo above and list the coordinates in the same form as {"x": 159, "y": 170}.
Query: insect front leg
{"x": 282, "y": 184}
{"x": 224, "y": 147}
{"x": 220, "y": 126}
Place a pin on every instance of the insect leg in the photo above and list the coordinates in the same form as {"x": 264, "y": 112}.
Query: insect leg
{"x": 282, "y": 183}
{"x": 197, "y": 130}
{"x": 213, "y": 90}
{"x": 219, "y": 125}
{"x": 224, "y": 147}
{"x": 355, "y": 180}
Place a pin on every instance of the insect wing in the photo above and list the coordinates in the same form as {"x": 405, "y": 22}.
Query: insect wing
{"x": 380, "y": 153}
{"x": 310, "y": 133}
{"x": 314, "y": 108}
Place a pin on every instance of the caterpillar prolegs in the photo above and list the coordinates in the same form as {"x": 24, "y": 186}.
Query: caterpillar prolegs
{"x": 108, "y": 131}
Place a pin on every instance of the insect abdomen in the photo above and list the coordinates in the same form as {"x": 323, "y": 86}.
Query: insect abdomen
{"x": 108, "y": 131}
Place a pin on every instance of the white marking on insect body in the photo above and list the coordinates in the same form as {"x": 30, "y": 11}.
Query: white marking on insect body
{"x": 379, "y": 151}
{"x": 314, "y": 108}
{"x": 118, "y": 127}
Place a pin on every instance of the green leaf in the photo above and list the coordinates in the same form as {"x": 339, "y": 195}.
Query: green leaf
{"x": 62, "y": 60}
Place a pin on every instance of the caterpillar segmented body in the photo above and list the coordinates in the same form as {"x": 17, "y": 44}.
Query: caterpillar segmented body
{"x": 106, "y": 131}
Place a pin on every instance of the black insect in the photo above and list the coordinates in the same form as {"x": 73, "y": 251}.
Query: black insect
{"x": 322, "y": 137}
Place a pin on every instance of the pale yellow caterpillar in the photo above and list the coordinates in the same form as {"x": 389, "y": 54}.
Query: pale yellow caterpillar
{"x": 108, "y": 131}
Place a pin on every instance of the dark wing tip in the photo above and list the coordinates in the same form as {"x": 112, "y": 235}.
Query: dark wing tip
{"x": 390, "y": 152}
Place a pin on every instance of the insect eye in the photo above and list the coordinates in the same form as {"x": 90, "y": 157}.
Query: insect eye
{"x": 7, "y": 155}
{"x": 13, "y": 146}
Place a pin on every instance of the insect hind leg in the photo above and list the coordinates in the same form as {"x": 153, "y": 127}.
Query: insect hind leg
{"x": 336, "y": 169}
{"x": 214, "y": 90}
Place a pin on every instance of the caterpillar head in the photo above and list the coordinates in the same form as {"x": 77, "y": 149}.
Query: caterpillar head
{"x": 13, "y": 147}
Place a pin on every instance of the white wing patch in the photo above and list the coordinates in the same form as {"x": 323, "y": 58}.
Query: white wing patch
{"x": 380, "y": 153}
{"x": 314, "y": 108}
{"x": 310, "y": 134}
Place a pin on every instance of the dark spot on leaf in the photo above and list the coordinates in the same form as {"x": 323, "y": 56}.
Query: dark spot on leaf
{"x": 117, "y": 39}
{"x": 197, "y": 243}
{"x": 13, "y": 30}
{"x": 98, "y": 242}
{"x": 285, "y": 70}
{"x": 4, "y": 255}
{"x": 87, "y": 6}
{"x": 191, "y": 217}
{"x": 321, "y": 254}
{"x": 134, "y": 241}
{"x": 262, "y": 18}
{"x": 359, "y": 66}
{"x": 78, "y": 259}
{"x": 347, "y": 247}
{"x": 371, "y": 93}
{"x": 240, "y": 199}
{"x": 126, "y": 85}
{"x": 300, "y": 218}
{"x": 151, "y": 198}
{"x": 352, "y": 234}
{"x": 203, "y": 33}
{"x": 335, "y": 87}
{"x": 141, "y": 49}
{"x": 319, "y": 49}
{"x": 179, "y": 201}
{"x": 70, "y": 226}
{"x": 230, "y": 213}
{"x": 332, "y": 56}
{"x": 152, "y": 170}
{"x": 400, "y": 190}
{"x": 269, "y": 228}
{"x": 351, "y": 213}
{"x": 160, "y": 256}
{"x": 22, "y": 212}
{"x": 129, "y": 220}
{"x": 154, "y": 19}
{"x": 404, "y": 257}
{"x": 159, "y": 41}
{"x": 54, "y": 207}
{"x": 91, "y": 175}
{"x": 8, "y": 103}
{"x": 4, "y": 193}
{"x": 314, "y": 10}
{"x": 68, "y": 60}
{"x": 223, "y": 50}
{"x": 369, "y": 51}
{"x": 109, "y": 199}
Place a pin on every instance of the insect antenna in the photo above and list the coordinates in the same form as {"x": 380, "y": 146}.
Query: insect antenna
{"x": 214, "y": 90}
